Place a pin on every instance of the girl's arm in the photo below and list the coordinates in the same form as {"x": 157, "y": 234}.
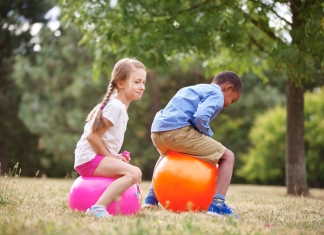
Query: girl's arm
{"x": 97, "y": 143}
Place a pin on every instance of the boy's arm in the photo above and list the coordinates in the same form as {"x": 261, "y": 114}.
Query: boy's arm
{"x": 207, "y": 110}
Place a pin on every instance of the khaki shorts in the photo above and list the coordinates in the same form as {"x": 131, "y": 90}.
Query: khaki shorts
{"x": 189, "y": 141}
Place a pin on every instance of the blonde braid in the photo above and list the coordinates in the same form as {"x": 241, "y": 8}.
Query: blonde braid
{"x": 110, "y": 90}
{"x": 98, "y": 123}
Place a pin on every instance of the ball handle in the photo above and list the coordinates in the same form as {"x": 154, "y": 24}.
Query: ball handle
{"x": 125, "y": 153}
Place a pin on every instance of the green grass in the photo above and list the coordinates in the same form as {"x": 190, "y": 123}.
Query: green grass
{"x": 40, "y": 206}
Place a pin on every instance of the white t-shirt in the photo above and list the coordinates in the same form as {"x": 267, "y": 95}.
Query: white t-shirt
{"x": 116, "y": 112}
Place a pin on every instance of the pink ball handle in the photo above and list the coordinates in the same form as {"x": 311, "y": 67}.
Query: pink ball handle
{"x": 125, "y": 153}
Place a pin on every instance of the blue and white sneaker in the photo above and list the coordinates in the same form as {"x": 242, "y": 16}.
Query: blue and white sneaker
{"x": 98, "y": 211}
{"x": 218, "y": 208}
{"x": 151, "y": 202}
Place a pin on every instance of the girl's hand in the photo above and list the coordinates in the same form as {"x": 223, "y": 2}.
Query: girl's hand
{"x": 120, "y": 157}
{"x": 126, "y": 155}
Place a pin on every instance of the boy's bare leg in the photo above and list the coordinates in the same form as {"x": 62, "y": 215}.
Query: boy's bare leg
{"x": 225, "y": 170}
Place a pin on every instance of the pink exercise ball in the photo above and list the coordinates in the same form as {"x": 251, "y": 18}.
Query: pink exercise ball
{"x": 85, "y": 192}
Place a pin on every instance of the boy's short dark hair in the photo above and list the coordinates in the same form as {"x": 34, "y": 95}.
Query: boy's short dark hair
{"x": 231, "y": 77}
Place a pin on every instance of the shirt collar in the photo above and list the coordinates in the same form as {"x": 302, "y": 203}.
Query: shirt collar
{"x": 216, "y": 86}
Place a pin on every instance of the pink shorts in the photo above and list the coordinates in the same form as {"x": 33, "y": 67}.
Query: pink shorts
{"x": 87, "y": 169}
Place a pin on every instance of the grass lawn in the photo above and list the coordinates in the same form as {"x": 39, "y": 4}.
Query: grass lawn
{"x": 40, "y": 206}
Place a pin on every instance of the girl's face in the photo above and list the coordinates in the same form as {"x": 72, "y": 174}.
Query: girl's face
{"x": 133, "y": 88}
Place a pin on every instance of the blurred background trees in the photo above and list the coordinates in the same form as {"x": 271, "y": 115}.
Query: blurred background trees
{"x": 269, "y": 127}
{"x": 56, "y": 87}
{"x": 284, "y": 35}
{"x": 182, "y": 43}
{"x": 17, "y": 144}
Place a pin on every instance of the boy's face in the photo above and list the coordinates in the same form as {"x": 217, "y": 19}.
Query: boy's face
{"x": 230, "y": 96}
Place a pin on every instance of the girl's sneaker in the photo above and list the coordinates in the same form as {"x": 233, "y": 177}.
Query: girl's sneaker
{"x": 219, "y": 208}
{"x": 151, "y": 202}
{"x": 98, "y": 211}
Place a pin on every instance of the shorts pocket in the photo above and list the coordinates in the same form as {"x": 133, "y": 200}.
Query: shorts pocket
{"x": 177, "y": 140}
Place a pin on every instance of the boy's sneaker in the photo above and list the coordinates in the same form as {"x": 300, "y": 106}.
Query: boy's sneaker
{"x": 151, "y": 202}
{"x": 219, "y": 208}
{"x": 98, "y": 211}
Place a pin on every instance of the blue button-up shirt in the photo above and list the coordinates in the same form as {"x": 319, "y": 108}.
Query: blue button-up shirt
{"x": 194, "y": 105}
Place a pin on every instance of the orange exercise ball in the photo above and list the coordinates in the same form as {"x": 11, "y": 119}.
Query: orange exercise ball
{"x": 184, "y": 183}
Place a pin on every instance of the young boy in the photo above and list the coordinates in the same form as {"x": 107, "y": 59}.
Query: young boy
{"x": 183, "y": 126}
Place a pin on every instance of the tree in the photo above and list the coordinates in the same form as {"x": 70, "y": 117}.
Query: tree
{"x": 264, "y": 165}
{"x": 57, "y": 95}
{"x": 158, "y": 31}
{"x": 16, "y": 18}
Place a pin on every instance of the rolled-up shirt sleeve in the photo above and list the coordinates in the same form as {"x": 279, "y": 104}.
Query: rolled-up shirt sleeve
{"x": 208, "y": 108}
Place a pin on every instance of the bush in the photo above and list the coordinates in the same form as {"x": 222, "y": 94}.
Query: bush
{"x": 265, "y": 161}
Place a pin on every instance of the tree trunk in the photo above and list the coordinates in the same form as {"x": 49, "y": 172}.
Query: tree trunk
{"x": 295, "y": 150}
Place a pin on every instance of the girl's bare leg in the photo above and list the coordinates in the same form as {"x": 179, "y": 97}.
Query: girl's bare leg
{"x": 126, "y": 175}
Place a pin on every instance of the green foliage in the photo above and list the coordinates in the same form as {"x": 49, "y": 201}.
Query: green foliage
{"x": 16, "y": 142}
{"x": 156, "y": 32}
{"x": 13, "y": 15}
{"x": 58, "y": 94}
{"x": 264, "y": 162}
{"x": 314, "y": 138}
{"x": 163, "y": 34}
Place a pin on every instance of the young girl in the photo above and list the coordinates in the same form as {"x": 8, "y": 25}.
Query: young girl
{"x": 97, "y": 152}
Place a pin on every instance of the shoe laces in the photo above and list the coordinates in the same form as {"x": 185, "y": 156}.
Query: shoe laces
{"x": 220, "y": 202}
